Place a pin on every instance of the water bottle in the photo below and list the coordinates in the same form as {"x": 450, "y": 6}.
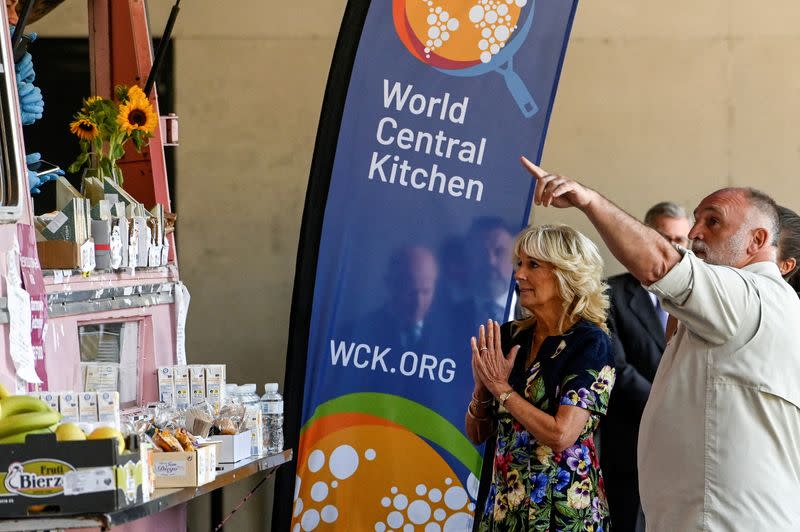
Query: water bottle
{"x": 253, "y": 417}
{"x": 272, "y": 414}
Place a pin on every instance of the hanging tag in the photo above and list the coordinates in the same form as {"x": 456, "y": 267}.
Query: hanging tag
{"x": 182, "y": 299}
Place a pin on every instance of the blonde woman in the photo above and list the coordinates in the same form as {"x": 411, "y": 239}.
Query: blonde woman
{"x": 541, "y": 385}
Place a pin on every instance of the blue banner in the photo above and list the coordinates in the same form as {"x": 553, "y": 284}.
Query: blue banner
{"x": 425, "y": 196}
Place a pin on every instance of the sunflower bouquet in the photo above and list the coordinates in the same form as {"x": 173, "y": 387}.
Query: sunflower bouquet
{"x": 103, "y": 126}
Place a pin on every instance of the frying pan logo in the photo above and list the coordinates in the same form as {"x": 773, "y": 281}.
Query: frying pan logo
{"x": 467, "y": 38}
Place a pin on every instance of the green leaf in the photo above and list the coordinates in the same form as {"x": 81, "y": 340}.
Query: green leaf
{"x": 566, "y": 509}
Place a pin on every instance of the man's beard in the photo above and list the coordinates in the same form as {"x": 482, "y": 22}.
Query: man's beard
{"x": 730, "y": 253}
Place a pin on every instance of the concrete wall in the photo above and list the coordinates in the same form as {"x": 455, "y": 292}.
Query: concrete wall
{"x": 657, "y": 101}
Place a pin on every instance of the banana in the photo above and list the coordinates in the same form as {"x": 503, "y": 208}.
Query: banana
{"x": 4, "y": 392}
{"x": 27, "y": 422}
{"x": 19, "y": 404}
{"x": 20, "y": 437}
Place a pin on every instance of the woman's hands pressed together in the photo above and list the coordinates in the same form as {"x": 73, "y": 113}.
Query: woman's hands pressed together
{"x": 490, "y": 366}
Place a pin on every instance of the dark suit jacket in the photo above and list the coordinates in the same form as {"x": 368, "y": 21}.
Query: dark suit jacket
{"x": 638, "y": 341}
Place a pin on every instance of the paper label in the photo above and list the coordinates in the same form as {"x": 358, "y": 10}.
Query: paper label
{"x": 182, "y": 299}
{"x": 57, "y": 221}
{"x": 115, "y": 243}
{"x": 171, "y": 468}
{"x": 154, "y": 256}
{"x": 165, "y": 252}
{"x": 87, "y": 256}
{"x": 89, "y": 480}
{"x": 111, "y": 198}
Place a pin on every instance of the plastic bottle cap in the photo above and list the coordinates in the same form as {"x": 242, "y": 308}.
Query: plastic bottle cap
{"x": 232, "y": 388}
{"x": 248, "y": 388}
{"x": 271, "y": 387}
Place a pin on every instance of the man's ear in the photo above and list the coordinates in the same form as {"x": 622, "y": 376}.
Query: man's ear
{"x": 787, "y": 265}
{"x": 758, "y": 240}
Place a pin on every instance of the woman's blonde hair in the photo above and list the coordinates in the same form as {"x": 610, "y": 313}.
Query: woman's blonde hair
{"x": 577, "y": 266}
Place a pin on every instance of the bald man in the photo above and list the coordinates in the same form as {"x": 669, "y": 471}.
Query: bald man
{"x": 719, "y": 438}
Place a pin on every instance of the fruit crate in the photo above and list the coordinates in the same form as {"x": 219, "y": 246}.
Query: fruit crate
{"x": 46, "y": 477}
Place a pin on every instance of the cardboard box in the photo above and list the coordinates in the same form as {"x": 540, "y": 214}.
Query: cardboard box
{"x": 66, "y": 255}
{"x": 70, "y": 477}
{"x": 234, "y": 448}
{"x": 179, "y": 470}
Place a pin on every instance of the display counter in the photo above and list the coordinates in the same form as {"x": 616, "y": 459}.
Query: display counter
{"x": 161, "y": 500}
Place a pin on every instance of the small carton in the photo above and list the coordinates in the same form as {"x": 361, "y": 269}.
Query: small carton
{"x": 50, "y": 398}
{"x": 68, "y": 407}
{"x": 99, "y": 377}
{"x": 108, "y": 408}
{"x": 197, "y": 383}
{"x": 215, "y": 384}
{"x": 234, "y": 448}
{"x": 87, "y": 407}
{"x": 166, "y": 385}
{"x": 192, "y": 468}
{"x": 181, "y": 376}
{"x": 253, "y": 421}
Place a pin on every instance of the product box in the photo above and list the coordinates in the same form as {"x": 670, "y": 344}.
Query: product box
{"x": 181, "y": 375}
{"x": 197, "y": 383}
{"x": 66, "y": 255}
{"x": 68, "y": 407}
{"x": 87, "y": 407}
{"x": 51, "y": 398}
{"x": 166, "y": 385}
{"x": 234, "y": 448}
{"x": 215, "y": 384}
{"x": 108, "y": 408}
{"x": 254, "y": 422}
{"x": 191, "y": 468}
{"x": 65, "y": 478}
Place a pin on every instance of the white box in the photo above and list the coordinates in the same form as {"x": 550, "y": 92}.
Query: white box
{"x": 215, "y": 384}
{"x": 233, "y": 448}
{"x": 108, "y": 408}
{"x": 166, "y": 385}
{"x": 254, "y": 422}
{"x": 181, "y": 375}
{"x": 87, "y": 407}
{"x": 51, "y": 398}
{"x": 68, "y": 407}
{"x": 197, "y": 383}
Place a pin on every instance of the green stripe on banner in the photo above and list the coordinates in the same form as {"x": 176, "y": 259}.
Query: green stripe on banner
{"x": 417, "y": 418}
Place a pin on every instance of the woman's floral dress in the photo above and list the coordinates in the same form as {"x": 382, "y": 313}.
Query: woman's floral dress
{"x": 533, "y": 488}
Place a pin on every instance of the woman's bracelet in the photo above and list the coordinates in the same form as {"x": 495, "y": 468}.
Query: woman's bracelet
{"x": 480, "y": 401}
{"x": 473, "y": 416}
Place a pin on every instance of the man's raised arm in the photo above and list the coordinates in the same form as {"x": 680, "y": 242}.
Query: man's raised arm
{"x": 644, "y": 252}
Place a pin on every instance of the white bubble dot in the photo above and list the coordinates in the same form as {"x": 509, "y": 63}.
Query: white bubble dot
{"x": 400, "y": 502}
{"x": 296, "y": 527}
{"x": 427, "y": 50}
{"x": 310, "y": 520}
{"x": 491, "y": 40}
{"x": 395, "y": 519}
{"x": 408, "y": 528}
{"x": 297, "y": 482}
{"x": 319, "y": 491}
{"x": 502, "y": 33}
{"x": 432, "y": 19}
{"x": 486, "y": 33}
{"x": 438, "y": 9}
{"x": 437, "y": 43}
{"x": 329, "y": 514}
{"x": 433, "y": 32}
{"x": 471, "y": 507}
{"x": 448, "y": 481}
{"x": 483, "y": 44}
{"x": 419, "y": 512}
{"x": 435, "y": 495}
{"x": 508, "y": 19}
{"x": 316, "y": 460}
{"x": 370, "y": 454}
{"x": 334, "y": 484}
{"x": 494, "y": 48}
{"x": 445, "y": 35}
{"x": 458, "y": 522}
{"x": 298, "y": 507}
{"x": 476, "y": 14}
{"x": 394, "y": 489}
{"x": 472, "y": 486}
{"x": 386, "y": 502}
{"x": 455, "y": 498}
{"x": 380, "y": 527}
{"x": 433, "y": 527}
{"x": 343, "y": 462}
{"x": 491, "y": 17}
{"x": 439, "y": 514}
{"x": 502, "y": 10}
{"x": 421, "y": 489}
{"x": 429, "y": 42}
{"x": 452, "y": 24}
{"x": 521, "y": 3}
{"x": 444, "y": 16}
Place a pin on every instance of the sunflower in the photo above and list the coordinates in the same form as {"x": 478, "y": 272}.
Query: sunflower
{"x": 137, "y": 94}
{"x": 84, "y": 128}
{"x": 137, "y": 114}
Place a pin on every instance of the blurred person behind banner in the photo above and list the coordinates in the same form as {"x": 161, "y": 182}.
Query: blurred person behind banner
{"x": 718, "y": 437}
{"x": 789, "y": 247}
{"x": 488, "y": 245}
{"x": 638, "y": 325}
{"x": 541, "y": 385}
{"x": 404, "y": 320}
